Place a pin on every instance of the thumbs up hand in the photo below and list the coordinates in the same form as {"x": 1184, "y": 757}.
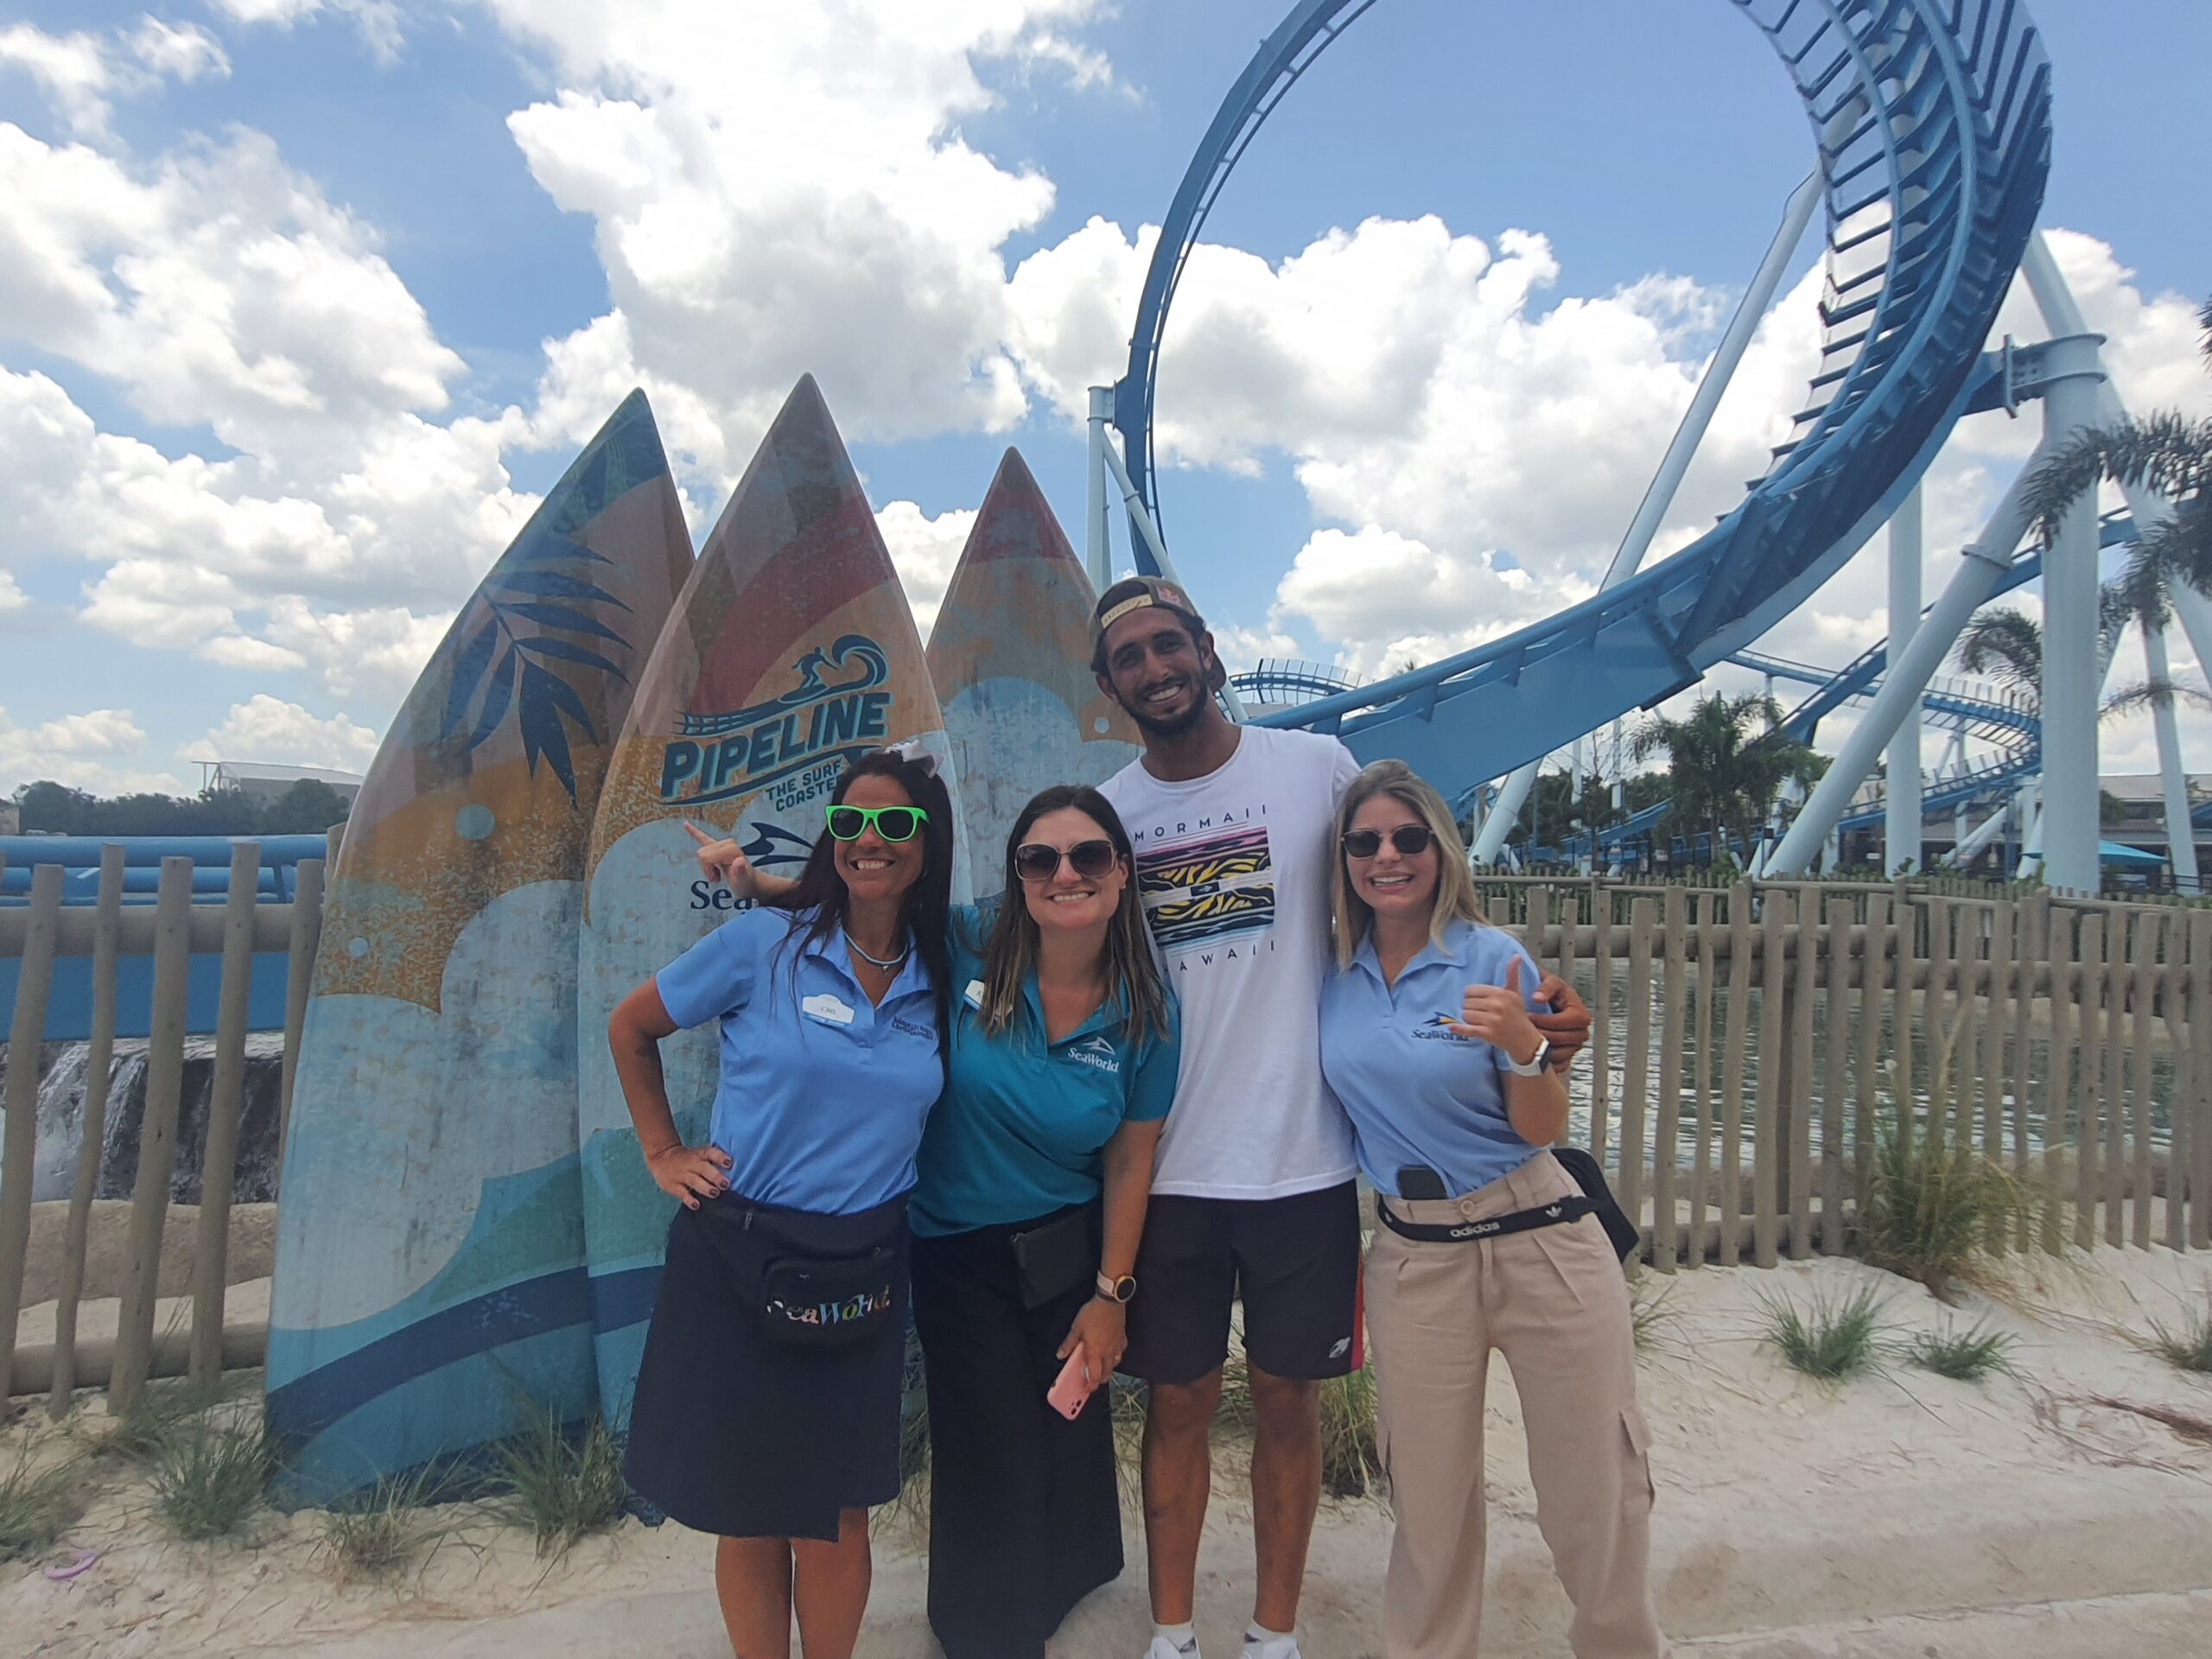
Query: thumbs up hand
{"x": 1498, "y": 1015}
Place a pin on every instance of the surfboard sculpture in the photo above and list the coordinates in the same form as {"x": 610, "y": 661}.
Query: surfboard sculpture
{"x": 791, "y": 652}
{"x": 1010, "y": 657}
{"x": 429, "y": 1290}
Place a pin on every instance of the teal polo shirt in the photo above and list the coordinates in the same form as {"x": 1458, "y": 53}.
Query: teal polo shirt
{"x": 1023, "y": 1124}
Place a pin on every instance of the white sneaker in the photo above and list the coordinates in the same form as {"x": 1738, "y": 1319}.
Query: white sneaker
{"x": 1255, "y": 1649}
{"x": 1161, "y": 1648}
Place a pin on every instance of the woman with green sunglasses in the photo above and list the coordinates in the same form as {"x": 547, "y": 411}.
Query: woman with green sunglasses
{"x": 766, "y": 1409}
{"x": 1033, "y": 1184}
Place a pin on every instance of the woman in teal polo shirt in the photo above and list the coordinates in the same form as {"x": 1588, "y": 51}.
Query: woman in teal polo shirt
{"x": 1032, "y": 1184}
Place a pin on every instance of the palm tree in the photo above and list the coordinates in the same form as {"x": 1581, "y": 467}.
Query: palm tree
{"x": 2169, "y": 452}
{"x": 1728, "y": 759}
{"x": 2005, "y": 645}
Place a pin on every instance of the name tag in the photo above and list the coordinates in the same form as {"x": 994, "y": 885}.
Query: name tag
{"x": 975, "y": 993}
{"x": 826, "y": 1009}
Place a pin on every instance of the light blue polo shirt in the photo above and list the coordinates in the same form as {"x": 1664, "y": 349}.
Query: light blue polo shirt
{"x": 1416, "y": 1093}
{"x": 1022, "y": 1128}
{"x": 822, "y": 1094}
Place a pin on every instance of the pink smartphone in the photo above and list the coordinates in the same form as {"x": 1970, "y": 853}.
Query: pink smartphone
{"x": 1074, "y": 1387}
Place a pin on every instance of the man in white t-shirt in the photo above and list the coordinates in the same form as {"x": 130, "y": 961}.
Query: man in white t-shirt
{"x": 1253, "y": 1190}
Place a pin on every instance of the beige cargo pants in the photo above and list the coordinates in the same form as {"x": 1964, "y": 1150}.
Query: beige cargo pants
{"x": 1555, "y": 1303}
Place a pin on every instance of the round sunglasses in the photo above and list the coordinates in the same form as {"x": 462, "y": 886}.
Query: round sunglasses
{"x": 890, "y": 823}
{"x": 1034, "y": 861}
{"x": 1408, "y": 838}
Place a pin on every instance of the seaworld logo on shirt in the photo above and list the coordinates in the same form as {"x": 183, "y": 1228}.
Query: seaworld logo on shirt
{"x": 816, "y": 728}
{"x": 1437, "y": 1028}
{"x": 1097, "y": 1053}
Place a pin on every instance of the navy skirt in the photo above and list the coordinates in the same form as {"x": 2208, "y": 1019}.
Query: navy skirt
{"x": 734, "y": 1433}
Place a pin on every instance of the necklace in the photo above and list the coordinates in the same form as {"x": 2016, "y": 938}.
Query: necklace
{"x": 882, "y": 962}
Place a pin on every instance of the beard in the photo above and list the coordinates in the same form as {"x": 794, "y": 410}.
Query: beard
{"x": 1170, "y": 726}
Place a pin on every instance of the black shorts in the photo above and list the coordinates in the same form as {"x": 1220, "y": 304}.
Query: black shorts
{"x": 1293, "y": 1261}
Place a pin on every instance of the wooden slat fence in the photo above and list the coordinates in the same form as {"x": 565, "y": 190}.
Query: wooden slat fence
{"x": 171, "y": 931}
{"x": 1751, "y": 1046}
{"x": 1754, "y": 1043}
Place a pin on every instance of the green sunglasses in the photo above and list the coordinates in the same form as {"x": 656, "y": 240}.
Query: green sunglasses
{"x": 891, "y": 823}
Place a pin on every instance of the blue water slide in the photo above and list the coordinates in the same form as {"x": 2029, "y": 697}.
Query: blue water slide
{"x": 1936, "y": 117}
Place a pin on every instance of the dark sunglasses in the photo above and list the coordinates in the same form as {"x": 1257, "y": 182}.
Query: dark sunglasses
{"x": 1408, "y": 838}
{"x": 891, "y": 823}
{"x": 1035, "y": 862}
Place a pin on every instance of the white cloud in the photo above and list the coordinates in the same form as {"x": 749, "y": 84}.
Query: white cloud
{"x": 83, "y": 73}
{"x": 739, "y": 258}
{"x": 925, "y": 550}
{"x": 80, "y": 751}
{"x": 376, "y": 22}
{"x": 273, "y": 732}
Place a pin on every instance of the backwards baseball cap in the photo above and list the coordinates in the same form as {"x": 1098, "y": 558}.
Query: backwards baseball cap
{"x": 1134, "y": 593}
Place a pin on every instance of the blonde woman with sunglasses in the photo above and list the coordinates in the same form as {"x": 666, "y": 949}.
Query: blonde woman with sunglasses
{"x": 1033, "y": 1178}
{"x": 1426, "y": 1037}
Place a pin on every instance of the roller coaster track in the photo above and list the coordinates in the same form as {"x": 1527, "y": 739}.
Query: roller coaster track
{"x": 1937, "y": 118}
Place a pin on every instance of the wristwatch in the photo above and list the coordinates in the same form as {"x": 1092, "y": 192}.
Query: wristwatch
{"x": 1537, "y": 1061}
{"x": 1116, "y": 1290}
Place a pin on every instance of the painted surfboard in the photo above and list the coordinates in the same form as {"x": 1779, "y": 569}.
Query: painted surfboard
{"x": 1010, "y": 657}
{"x": 429, "y": 1290}
{"x": 791, "y": 652}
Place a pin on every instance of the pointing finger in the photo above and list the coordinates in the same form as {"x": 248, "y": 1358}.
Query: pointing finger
{"x": 698, "y": 835}
{"x": 1513, "y": 975}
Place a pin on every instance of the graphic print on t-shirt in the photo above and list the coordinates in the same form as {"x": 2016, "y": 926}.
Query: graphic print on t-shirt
{"x": 1207, "y": 887}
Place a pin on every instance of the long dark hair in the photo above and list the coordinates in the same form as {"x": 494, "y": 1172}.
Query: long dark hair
{"x": 928, "y": 908}
{"x": 1010, "y": 957}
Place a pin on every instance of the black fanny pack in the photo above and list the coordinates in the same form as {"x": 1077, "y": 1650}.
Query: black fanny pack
{"x": 806, "y": 1297}
{"x": 825, "y": 1302}
{"x": 1596, "y": 1199}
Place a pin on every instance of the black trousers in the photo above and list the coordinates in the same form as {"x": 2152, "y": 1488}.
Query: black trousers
{"x": 1024, "y": 1515}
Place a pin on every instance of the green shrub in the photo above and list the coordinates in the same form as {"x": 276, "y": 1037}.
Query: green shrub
{"x": 1832, "y": 1340}
{"x": 2188, "y": 1345}
{"x": 1963, "y": 1356}
{"x": 1932, "y": 1205}
{"x": 562, "y": 1487}
{"x": 209, "y": 1479}
{"x": 1351, "y": 1465}
{"x": 34, "y": 1506}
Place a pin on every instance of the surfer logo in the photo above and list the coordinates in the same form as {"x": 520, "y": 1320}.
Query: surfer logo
{"x": 816, "y": 728}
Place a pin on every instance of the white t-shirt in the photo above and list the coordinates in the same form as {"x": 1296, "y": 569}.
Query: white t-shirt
{"x": 1233, "y": 868}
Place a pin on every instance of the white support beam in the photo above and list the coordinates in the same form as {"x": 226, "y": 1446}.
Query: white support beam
{"x": 1901, "y": 810}
{"x": 2181, "y": 830}
{"x": 1097, "y": 536}
{"x": 1986, "y": 561}
{"x": 2070, "y": 638}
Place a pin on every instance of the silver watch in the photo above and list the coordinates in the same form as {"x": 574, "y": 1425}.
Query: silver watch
{"x": 1536, "y": 1064}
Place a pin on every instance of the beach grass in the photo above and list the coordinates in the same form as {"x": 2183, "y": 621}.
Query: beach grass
{"x": 1351, "y": 1465}
{"x": 36, "y": 1505}
{"x": 1969, "y": 1356}
{"x": 162, "y": 1412}
{"x": 379, "y": 1533}
{"x": 2187, "y": 1346}
{"x": 1932, "y": 1204}
{"x": 211, "y": 1477}
{"x": 560, "y": 1487}
{"x": 1647, "y": 1310}
{"x": 1835, "y": 1340}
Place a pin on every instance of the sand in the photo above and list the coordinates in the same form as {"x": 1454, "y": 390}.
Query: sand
{"x": 1900, "y": 1513}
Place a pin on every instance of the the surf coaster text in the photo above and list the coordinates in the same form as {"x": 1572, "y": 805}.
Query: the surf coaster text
{"x": 792, "y": 746}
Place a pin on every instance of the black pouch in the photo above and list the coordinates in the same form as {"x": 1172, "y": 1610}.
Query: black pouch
{"x": 817, "y": 1303}
{"x": 1052, "y": 1260}
{"x": 1584, "y": 1171}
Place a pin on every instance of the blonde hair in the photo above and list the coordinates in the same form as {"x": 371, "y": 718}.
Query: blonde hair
{"x": 1456, "y": 899}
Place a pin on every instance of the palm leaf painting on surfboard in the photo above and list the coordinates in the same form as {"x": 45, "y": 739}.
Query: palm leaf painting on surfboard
{"x": 429, "y": 1287}
{"x": 1010, "y": 657}
{"x": 791, "y": 652}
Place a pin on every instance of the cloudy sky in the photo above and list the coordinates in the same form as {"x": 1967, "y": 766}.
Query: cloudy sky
{"x": 303, "y": 302}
